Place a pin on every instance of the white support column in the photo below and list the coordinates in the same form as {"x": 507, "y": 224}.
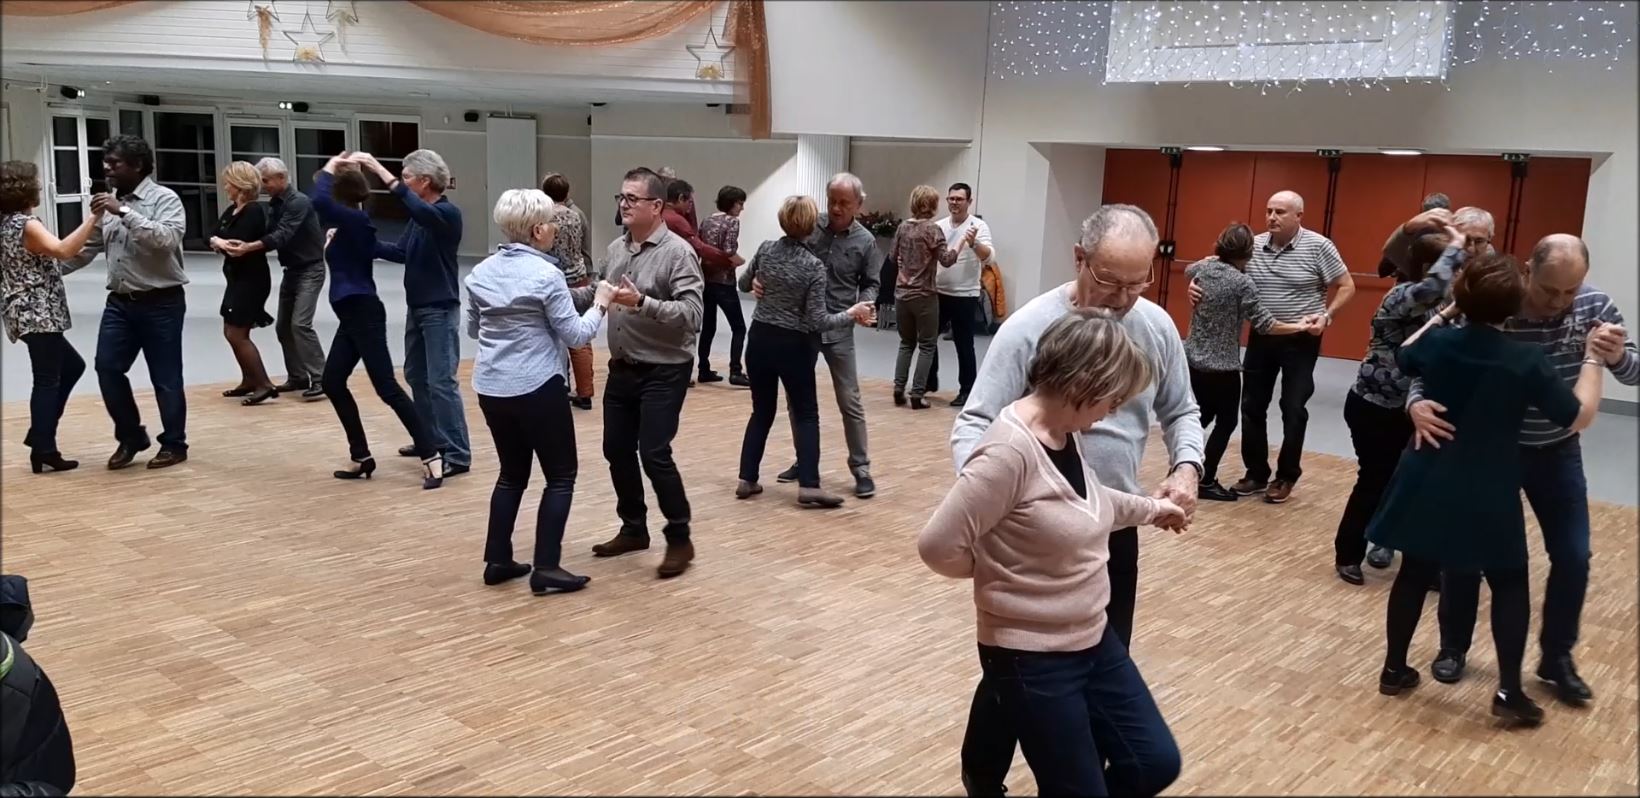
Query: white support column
{"x": 818, "y": 158}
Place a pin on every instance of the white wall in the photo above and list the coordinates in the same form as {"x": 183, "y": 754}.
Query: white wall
{"x": 890, "y": 169}
{"x": 891, "y": 70}
{"x": 1491, "y": 107}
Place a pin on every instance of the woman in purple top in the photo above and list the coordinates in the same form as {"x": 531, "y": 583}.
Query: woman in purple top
{"x": 339, "y": 191}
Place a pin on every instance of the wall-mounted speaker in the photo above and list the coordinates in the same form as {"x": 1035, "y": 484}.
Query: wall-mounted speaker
{"x": 150, "y": 99}
{"x": 470, "y": 116}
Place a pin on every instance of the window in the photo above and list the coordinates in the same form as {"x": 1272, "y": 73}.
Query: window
{"x": 76, "y": 166}
{"x": 185, "y": 162}
{"x": 251, "y": 142}
{"x": 315, "y": 146}
{"x": 389, "y": 140}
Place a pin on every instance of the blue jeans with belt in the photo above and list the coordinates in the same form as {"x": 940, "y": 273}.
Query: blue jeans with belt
{"x": 1085, "y": 720}
{"x": 432, "y": 352}
{"x": 148, "y": 323}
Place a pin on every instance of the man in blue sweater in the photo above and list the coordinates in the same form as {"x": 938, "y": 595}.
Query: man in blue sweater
{"x": 432, "y": 289}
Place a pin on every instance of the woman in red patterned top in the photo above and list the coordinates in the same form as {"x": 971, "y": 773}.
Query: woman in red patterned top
{"x": 918, "y": 247}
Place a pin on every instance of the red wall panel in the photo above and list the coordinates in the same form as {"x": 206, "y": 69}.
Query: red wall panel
{"x": 1482, "y": 181}
{"x": 1137, "y": 177}
{"x": 1214, "y": 190}
{"x": 1552, "y": 201}
{"x": 1376, "y": 193}
{"x": 1305, "y": 173}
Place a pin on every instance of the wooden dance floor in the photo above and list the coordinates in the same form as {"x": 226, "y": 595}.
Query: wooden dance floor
{"x": 246, "y": 624}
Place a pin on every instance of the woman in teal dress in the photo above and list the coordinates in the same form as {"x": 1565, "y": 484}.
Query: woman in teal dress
{"x": 1457, "y": 507}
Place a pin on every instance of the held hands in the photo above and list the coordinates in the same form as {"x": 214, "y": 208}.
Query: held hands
{"x": 1170, "y": 516}
{"x": 625, "y": 293}
{"x": 1179, "y": 490}
{"x": 1606, "y": 343}
{"x": 105, "y": 203}
{"x": 1314, "y": 324}
{"x": 1437, "y": 218}
{"x": 603, "y": 295}
{"x": 1427, "y": 425}
{"x": 864, "y": 314}
{"x": 367, "y": 161}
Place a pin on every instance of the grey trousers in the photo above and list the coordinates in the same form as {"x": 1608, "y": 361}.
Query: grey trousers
{"x": 299, "y": 291}
{"x": 918, "y": 320}
{"x": 845, "y": 381}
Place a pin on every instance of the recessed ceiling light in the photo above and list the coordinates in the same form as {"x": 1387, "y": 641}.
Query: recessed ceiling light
{"x": 1205, "y": 148}
{"x": 1400, "y": 151}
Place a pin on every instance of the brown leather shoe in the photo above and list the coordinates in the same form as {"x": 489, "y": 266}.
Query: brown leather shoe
{"x": 123, "y": 456}
{"x": 166, "y": 458}
{"x": 622, "y": 543}
{"x": 1247, "y": 487}
{"x": 678, "y": 557}
{"x": 1279, "y": 491}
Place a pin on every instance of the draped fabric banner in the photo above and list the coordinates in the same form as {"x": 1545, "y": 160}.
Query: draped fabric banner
{"x": 570, "y": 23}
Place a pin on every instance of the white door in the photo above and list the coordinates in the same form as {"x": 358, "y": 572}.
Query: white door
{"x": 76, "y": 166}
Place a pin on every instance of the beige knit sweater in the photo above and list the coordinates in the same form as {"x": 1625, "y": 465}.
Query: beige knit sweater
{"x": 1035, "y": 550}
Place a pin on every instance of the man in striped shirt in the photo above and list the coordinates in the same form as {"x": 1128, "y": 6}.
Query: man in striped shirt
{"x": 1293, "y": 269}
{"x": 1559, "y": 312}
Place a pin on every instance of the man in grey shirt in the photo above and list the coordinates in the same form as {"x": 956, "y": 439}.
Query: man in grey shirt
{"x": 1114, "y": 265}
{"x": 853, "y": 271}
{"x": 296, "y": 234}
{"x": 141, "y": 233}
{"x": 651, "y": 350}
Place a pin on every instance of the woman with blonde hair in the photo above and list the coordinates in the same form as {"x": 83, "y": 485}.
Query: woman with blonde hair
{"x": 1029, "y": 523}
{"x": 781, "y": 348}
{"x": 244, "y": 302}
{"x": 35, "y": 306}
{"x": 920, "y": 251}
{"x": 520, "y": 309}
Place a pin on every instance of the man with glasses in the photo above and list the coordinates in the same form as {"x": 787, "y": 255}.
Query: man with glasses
{"x": 958, "y": 285}
{"x": 1115, "y": 263}
{"x": 651, "y": 351}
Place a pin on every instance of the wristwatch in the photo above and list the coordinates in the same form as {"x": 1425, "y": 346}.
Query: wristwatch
{"x": 1183, "y": 463}
{"x": 122, "y": 210}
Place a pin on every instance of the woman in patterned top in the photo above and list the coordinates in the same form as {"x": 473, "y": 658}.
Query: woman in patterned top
{"x": 1213, "y": 347}
{"x": 782, "y": 347}
{"x": 722, "y": 230}
{"x": 918, "y": 246}
{"x": 1375, "y": 408}
{"x": 574, "y": 255}
{"x": 36, "y": 306}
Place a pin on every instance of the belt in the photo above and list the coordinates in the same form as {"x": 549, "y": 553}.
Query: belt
{"x": 151, "y": 295}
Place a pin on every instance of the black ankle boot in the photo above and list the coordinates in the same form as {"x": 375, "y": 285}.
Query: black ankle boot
{"x": 1562, "y": 673}
{"x": 1393, "y": 681}
{"x": 1516, "y": 707}
{"x": 50, "y": 461}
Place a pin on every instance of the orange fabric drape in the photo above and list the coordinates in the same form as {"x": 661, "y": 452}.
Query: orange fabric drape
{"x": 748, "y": 32}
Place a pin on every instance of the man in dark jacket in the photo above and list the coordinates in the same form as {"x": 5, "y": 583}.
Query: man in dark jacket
{"x": 295, "y": 233}
{"x": 36, "y": 752}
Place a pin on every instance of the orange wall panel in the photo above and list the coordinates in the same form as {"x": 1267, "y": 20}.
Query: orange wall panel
{"x": 1137, "y": 177}
{"x": 1214, "y": 190}
{"x": 1351, "y": 329}
{"x": 1552, "y": 201}
{"x": 1376, "y": 194}
{"x": 1482, "y": 181}
{"x": 1305, "y": 173}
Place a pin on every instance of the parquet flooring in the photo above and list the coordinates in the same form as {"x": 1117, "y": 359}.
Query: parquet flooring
{"x": 245, "y": 624}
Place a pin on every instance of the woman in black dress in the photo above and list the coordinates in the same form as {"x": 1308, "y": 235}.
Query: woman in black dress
{"x": 1457, "y": 507}
{"x": 244, "y": 302}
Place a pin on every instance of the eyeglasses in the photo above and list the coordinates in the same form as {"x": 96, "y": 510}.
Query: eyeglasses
{"x": 1111, "y": 285}
{"x": 633, "y": 199}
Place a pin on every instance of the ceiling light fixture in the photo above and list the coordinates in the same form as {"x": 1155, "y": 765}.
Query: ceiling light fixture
{"x": 1205, "y": 148}
{"x": 1400, "y": 151}
{"x": 72, "y": 93}
{"x": 284, "y": 105}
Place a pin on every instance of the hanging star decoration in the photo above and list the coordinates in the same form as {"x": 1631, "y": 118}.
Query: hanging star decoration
{"x": 308, "y": 41}
{"x": 710, "y": 49}
{"x": 341, "y": 14}
{"x": 265, "y": 16}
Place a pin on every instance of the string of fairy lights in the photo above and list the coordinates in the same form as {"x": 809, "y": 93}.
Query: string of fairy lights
{"x": 1356, "y": 44}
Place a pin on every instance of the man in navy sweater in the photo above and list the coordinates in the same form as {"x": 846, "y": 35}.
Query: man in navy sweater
{"x": 432, "y": 288}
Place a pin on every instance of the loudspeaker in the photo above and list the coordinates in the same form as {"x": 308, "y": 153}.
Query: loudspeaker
{"x": 470, "y": 116}
{"x": 150, "y": 99}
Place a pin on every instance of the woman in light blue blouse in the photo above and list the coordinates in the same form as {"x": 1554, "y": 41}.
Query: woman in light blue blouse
{"x": 520, "y": 309}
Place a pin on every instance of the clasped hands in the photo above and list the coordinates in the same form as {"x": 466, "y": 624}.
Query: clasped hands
{"x": 863, "y": 313}
{"x": 622, "y": 293}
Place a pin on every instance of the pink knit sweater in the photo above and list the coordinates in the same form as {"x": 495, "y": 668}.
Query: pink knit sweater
{"x": 1035, "y": 550}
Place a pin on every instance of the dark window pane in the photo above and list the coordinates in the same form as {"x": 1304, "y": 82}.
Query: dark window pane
{"x": 94, "y": 166}
{"x": 69, "y": 217}
{"x": 65, "y": 131}
{"x": 305, "y": 169}
{"x": 176, "y": 131}
{"x": 389, "y": 139}
{"x": 249, "y": 138}
{"x": 388, "y": 214}
{"x": 96, "y": 132}
{"x": 199, "y": 208}
{"x": 67, "y": 176}
{"x": 185, "y": 167}
{"x": 320, "y": 141}
{"x": 131, "y": 123}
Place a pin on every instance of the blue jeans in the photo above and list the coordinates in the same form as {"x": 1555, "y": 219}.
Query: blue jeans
{"x": 1553, "y": 479}
{"x": 432, "y": 352}
{"x": 1085, "y": 719}
{"x": 57, "y": 367}
{"x": 149, "y": 324}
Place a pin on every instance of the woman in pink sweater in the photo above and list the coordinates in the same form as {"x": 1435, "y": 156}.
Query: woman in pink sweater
{"x": 1028, "y": 521}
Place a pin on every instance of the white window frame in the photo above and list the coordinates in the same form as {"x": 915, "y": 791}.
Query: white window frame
{"x": 83, "y": 147}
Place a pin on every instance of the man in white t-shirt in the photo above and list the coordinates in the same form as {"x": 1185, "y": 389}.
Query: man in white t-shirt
{"x": 959, "y": 285}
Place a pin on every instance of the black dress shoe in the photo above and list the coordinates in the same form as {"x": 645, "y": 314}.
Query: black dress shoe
{"x": 1562, "y": 673}
{"x": 899, "y": 398}
{"x": 496, "y": 573}
{"x": 123, "y": 455}
{"x": 918, "y": 403}
{"x": 313, "y": 393}
{"x": 1448, "y": 666}
{"x": 167, "y": 458}
{"x": 557, "y": 581}
{"x": 289, "y": 386}
{"x": 962, "y": 399}
{"x": 1392, "y": 682}
{"x": 1351, "y": 574}
{"x": 407, "y": 451}
{"x": 738, "y": 379}
{"x": 787, "y": 477}
{"x": 864, "y": 486}
{"x": 583, "y": 402}
{"x": 1214, "y": 492}
{"x": 708, "y": 377}
{"x": 1380, "y": 557}
{"x": 455, "y": 469}
{"x": 1516, "y": 706}
{"x": 259, "y": 396}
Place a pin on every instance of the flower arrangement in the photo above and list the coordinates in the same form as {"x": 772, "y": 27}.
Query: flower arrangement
{"x": 881, "y": 223}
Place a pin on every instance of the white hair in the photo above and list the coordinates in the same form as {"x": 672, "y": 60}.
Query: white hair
{"x": 1471, "y": 216}
{"x": 849, "y": 181}
{"x": 271, "y": 166}
{"x": 1116, "y": 219}
{"x": 429, "y": 164}
{"x": 520, "y": 211}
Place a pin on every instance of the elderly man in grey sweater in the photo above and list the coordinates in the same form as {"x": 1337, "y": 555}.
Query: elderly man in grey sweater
{"x": 1114, "y": 265}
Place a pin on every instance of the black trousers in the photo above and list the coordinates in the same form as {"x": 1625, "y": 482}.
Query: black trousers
{"x": 1511, "y": 610}
{"x": 1380, "y": 435}
{"x": 961, "y": 314}
{"x": 56, "y": 367}
{"x": 535, "y": 426}
{"x": 988, "y": 743}
{"x": 776, "y": 356}
{"x": 362, "y": 335}
{"x": 1289, "y": 359}
{"x": 724, "y": 297}
{"x": 642, "y": 403}
{"x": 1218, "y": 393}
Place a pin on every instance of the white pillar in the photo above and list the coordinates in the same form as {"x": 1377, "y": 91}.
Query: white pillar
{"x": 818, "y": 158}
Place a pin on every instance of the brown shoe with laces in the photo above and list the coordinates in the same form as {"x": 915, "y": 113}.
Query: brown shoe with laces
{"x": 1279, "y": 491}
